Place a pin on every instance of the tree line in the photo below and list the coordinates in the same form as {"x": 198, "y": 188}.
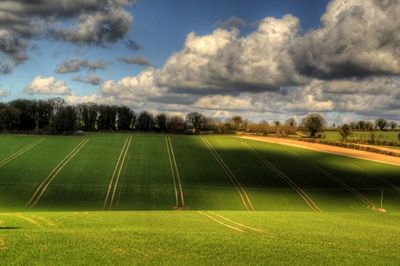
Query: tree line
{"x": 55, "y": 116}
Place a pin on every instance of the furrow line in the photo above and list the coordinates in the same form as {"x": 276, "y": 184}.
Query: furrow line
{"x": 20, "y": 152}
{"x": 110, "y": 185}
{"x": 40, "y": 189}
{"x": 173, "y": 174}
{"x": 289, "y": 181}
{"x": 47, "y": 181}
{"x": 119, "y": 172}
{"x": 242, "y": 193}
{"x": 220, "y": 222}
{"x": 177, "y": 173}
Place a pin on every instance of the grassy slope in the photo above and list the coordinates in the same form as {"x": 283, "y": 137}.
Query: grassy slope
{"x": 146, "y": 182}
{"x": 82, "y": 183}
{"x": 9, "y": 144}
{"x": 205, "y": 184}
{"x": 20, "y": 177}
{"x": 330, "y": 195}
{"x": 265, "y": 189}
{"x": 127, "y": 238}
{"x": 348, "y": 235}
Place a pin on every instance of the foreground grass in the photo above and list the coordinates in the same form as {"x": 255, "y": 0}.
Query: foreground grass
{"x": 188, "y": 237}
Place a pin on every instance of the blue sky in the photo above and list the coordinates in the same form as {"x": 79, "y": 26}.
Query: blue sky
{"x": 160, "y": 27}
{"x": 260, "y": 59}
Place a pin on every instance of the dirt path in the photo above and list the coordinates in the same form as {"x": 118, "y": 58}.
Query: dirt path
{"x": 365, "y": 155}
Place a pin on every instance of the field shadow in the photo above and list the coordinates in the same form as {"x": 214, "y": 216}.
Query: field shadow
{"x": 9, "y": 227}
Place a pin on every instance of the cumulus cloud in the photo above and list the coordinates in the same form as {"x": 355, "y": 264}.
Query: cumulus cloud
{"x": 92, "y": 22}
{"x": 90, "y": 79}
{"x": 135, "y": 60}
{"x": 47, "y": 86}
{"x": 224, "y": 61}
{"x": 76, "y": 65}
{"x": 137, "y": 88}
{"x": 276, "y": 70}
{"x": 230, "y": 23}
{"x": 358, "y": 38}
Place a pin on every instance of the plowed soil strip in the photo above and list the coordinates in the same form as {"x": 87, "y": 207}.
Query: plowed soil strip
{"x": 112, "y": 187}
{"x": 220, "y": 222}
{"x": 285, "y": 178}
{"x": 364, "y": 155}
{"x": 175, "y": 166}
{"x": 242, "y": 193}
{"x": 46, "y": 182}
{"x": 20, "y": 152}
{"x": 173, "y": 174}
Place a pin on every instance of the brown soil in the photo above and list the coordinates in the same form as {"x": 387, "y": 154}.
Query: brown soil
{"x": 365, "y": 155}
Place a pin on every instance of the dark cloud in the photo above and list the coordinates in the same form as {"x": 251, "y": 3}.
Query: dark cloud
{"x": 358, "y": 38}
{"x": 232, "y": 22}
{"x": 90, "y": 79}
{"x": 76, "y": 65}
{"x": 136, "y": 60}
{"x": 13, "y": 51}
{"x": 91, "y": 22}
{"x": 132, "y": 45}
{"x": 99, "y": 28}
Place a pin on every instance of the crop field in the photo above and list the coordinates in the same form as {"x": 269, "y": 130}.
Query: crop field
{"x": 108, "y": 198}
{"x": 388, "y": 136}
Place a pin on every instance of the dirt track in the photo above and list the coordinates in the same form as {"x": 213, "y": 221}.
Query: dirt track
{"x": 330, "y": 149}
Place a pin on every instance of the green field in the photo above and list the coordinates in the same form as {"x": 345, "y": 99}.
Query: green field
{"x": 154, "y": 198}
{"x": 388, "y": 136}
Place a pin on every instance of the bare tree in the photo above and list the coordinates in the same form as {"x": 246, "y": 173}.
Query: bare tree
{"x": 381, "y": 123}
{"x": 345, "y": 131}
{"x": 393, "y": 125}
{"x": 313, "y": 123}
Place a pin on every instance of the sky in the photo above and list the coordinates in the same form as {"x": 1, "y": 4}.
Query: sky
{"x": 264, "y": 60}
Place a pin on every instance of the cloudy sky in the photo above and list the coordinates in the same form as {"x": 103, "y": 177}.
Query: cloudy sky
{"x": 260, "y": 59}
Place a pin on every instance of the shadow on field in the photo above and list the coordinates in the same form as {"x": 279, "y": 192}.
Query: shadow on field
{"x": 9, "y": 227}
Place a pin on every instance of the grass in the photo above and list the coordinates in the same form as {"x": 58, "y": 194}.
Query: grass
{"x": 82, "y": 183}
{"x": 67, "y": 225}
{"x": 166, "y": 237}
{"x": 388, "y": 136}
{"x": 146, "y": 182}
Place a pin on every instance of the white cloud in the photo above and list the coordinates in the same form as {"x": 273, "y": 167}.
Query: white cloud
{"x": 137, "y": 88}
{"x": 224, "y": 61}
{"x": 346, "y": 67}
{"x": 225, "y": 102}
{"x": 47, "y": 86}
{"x": 3, "y": 93}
